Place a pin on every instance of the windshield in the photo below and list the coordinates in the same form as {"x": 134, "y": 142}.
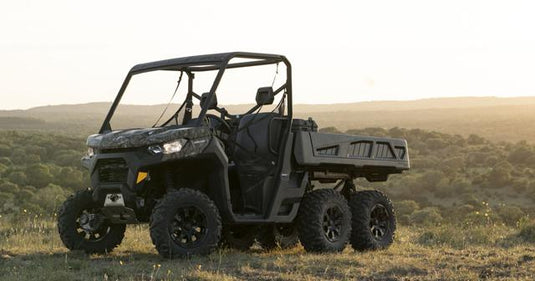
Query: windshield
{"x": 157, "y": 98}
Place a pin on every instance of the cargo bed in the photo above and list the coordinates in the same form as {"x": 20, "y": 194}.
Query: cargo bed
{"x": 359, "y": 156}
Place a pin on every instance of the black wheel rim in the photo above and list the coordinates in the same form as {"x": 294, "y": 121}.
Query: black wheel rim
{"x": 333, "y": 220}
{"x": 90, "y": 225}
{"x": 379, "y": 221}
{"x": 188, "y": 227}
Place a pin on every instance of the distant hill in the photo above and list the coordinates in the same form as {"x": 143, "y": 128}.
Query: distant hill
{"x": 498, "y": 119}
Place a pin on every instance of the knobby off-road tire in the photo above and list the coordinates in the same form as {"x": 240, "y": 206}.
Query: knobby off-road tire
{"x": 240, "y": 237}
{"x": 105, "y": 237}
{"x": 373, "y": 221}
{"x": 324, "y": 221}
{"x": 184, "y": 223}
{"x": 283, "y": 235}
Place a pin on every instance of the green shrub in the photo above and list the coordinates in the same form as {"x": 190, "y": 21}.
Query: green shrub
{"x": 510, "y": 215}
{"x": 500, "y": 175}
{"x": 330, "y": 130}
{"x": 426, "y": 216}
{"x": 6, "y": 161}
{"x": 459, "y": 237}
{"x": 520, "y": 185}
{"x": 484, "y": 217}
{"x": 527, "y": 232}
{"x": 50, "y": 197}
{"x": 458, "y": 213}
{"x": 473, "y": 200}
{"x": 404, "y": 209}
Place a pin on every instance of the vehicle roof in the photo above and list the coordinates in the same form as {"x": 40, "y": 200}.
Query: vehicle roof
{"x": 208, "y": 62}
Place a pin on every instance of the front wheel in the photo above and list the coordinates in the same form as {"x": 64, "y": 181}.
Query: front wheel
{"x": 184, "y": 223}
{"x": 374, "y": 221}
{"x": 81, "y": 226}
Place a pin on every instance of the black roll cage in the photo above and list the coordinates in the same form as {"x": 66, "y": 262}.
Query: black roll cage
{"x": 212, "y": 62}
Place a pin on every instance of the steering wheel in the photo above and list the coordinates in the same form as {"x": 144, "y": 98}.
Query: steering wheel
{"x": 220, "y": 122}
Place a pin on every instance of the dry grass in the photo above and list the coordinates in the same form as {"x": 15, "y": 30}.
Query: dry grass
{"x": 31, "y": 250}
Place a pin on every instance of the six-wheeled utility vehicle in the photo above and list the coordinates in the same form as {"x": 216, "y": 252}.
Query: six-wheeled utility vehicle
{"x": 206, "y": 177}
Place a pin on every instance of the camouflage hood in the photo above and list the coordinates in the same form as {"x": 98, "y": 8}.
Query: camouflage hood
{"x": 133, "y": 138}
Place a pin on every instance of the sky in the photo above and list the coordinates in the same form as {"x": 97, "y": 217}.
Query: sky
{"x": 62, "y": 52}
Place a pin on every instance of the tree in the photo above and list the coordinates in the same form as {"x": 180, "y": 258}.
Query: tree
{"x": 436, "y": 143}
{"x": 38, "y": 175}
{"x": 5, "y": 150}
{"x": 71, "y": 178}
{"x": 9, "y": 187}
{"x": 50, "y": 197}
{"x": 453, "y": 164}
{"x": 500, "y": 175}
{"x": 475, "y": 140}
{"x": 522, "y": 155}
{"x": 18, "y": 178}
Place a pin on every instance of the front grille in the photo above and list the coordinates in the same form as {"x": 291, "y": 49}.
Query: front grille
{"x": 112, "y": 170}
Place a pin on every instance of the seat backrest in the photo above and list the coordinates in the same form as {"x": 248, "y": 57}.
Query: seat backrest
{"x": 253, "y": 137}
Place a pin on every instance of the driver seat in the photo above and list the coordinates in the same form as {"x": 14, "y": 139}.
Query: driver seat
{"x": 255, "y": 155}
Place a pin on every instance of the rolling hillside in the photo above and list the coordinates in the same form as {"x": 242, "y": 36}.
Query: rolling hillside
{"x": 498, "y": 119}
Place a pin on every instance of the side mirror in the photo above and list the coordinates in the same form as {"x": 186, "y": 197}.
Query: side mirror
{"x": 265, "y": 96}
{"x": 212, "y": 104}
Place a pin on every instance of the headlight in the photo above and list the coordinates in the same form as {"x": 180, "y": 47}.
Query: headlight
{"x": 173, "y": 147}
{"x": 168, "y": 148}
{"x": 90, "y": 152}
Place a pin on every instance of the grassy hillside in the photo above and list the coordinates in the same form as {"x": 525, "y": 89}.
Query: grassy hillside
{"x": 498, "y": 119}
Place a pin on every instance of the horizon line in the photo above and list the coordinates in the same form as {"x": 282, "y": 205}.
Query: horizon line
{"x": 308, "y": 104}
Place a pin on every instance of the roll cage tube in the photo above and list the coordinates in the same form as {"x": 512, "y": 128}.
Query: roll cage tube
{"x": 190, "y": 65}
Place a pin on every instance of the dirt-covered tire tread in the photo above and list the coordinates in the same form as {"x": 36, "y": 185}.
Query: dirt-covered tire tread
{"x": 67, "y": 216}
{"x": 361, "y": 204}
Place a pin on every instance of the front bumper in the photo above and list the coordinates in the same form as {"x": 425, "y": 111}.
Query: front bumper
{"x": 118, "y": 170}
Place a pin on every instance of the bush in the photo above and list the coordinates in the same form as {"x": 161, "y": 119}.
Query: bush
{"x": 473, "y": 200}
{"x": 6, "y": 161}
{"x": 475, "y": 140}
{"x": 456, "y": 213}
{"x": 458, "y": 237}
{"x": 330, "y": 130}
{"x": 5, "y": 150}
{"x": 520, "y": 185}
{"x": 50, "y": 197}
{"x": 510, "y": 215}
{"x": 426, "y": 216}
{"x": 430, "y": 179}
{"x": 500, "y": 175}
{"x": 436, "y": 143}
{"x": 484, "y": 216}
{"x": 527, "y": 232}
{"x": 3, "y": 168}
{"x": 404, "y": 209}
{"x": 447, "y": 189}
